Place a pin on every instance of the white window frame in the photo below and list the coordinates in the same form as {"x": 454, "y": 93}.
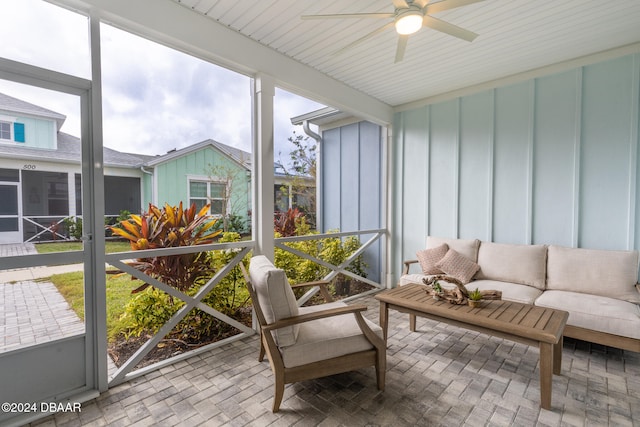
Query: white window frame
{"x": 207, "y": 180}
{"x": 10, "y": 124}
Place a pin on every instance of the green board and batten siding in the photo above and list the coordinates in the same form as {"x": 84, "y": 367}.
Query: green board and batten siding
{"x": 551, "y": 160}
{"x": 173, "y": 177}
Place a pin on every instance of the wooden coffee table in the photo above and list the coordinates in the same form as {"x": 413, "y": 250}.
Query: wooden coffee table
{"x": 524, "y": 323}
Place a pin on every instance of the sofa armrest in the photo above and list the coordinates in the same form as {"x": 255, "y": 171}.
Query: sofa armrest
{"x": 407, "y": 265}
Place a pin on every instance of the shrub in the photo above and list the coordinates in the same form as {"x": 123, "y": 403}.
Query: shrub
{"x": 150, "y": 309}
{"x": 333, "y": 250}
{"x": 73, "y": 225}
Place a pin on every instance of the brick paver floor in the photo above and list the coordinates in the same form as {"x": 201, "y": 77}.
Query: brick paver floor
{"x": 34, "y": 313}
{"x": 438, "y": 376}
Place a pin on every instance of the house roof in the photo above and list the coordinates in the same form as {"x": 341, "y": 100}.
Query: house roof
{"x": 15, "y": 105}
{"x": 241, "y": 157}
{"x": 69, "y": 151}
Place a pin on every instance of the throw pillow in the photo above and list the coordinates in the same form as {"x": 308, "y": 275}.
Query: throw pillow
{"x": 428, "y": 258}
{"x": 458, "y": 266}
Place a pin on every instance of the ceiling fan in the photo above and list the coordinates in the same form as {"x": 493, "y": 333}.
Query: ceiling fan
{"x": 409, "y": 17}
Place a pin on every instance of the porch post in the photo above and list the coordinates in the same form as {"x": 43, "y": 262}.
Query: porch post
{"x": 263, "y": 174}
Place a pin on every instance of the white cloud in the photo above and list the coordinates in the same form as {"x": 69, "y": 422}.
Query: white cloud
{"x": 154, "y": 98}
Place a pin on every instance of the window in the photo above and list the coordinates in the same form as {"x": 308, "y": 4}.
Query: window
{"x": 5, "y": 130}
{"x": 18, "y": 131}
{"x": 203, "y": 192}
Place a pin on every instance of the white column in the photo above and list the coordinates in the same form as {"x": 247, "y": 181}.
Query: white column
{"x": 93, "y": 218}
{"x": 263, "y": 174}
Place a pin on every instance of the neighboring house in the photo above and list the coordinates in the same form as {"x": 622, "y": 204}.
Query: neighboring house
{"x": 206, "y": 172}
{"x": 220, "y": 174}
{"x": 40, "y": 177}
{"x": 40, "y": 173}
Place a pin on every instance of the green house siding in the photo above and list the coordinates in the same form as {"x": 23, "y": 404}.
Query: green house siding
{"x": 147, "y": 190}
{"x": 173, "y": 177}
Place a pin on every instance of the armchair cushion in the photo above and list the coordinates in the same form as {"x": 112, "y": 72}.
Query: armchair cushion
{"x": 275, "y": 297}
{"x": 327, "y": 338}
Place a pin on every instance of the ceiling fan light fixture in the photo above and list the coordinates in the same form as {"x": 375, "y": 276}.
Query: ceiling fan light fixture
{"x": 409, "y": 22}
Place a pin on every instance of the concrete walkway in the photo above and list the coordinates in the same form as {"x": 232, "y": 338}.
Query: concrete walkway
{"x": 23, "y": 274}
{"x": 33, "y": 312}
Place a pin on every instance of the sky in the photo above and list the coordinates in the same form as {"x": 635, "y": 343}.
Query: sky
{"x": 155, "y": 99}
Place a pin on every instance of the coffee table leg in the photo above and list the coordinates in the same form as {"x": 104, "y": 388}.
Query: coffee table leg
{"x": 557, "y": 357}
{"x": 412, "y": 322}
{"x": 384, "y": 318}
{"x": 546, "y": 374}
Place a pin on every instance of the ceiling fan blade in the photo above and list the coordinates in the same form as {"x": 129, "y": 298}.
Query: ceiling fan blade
{"x": 400, "y": 4}
{"x": 402, "y": 46}
{"x": 349, "y": 15}
{"x": 448, "y": 4}
{"x": 447, "y": 28}
{"x": 361, "y": 39}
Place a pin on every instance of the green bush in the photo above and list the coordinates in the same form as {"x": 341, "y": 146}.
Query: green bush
{"x": 73, "y": 225}
{"x": 333, "y": 250}
{"x": 152, "y": 308}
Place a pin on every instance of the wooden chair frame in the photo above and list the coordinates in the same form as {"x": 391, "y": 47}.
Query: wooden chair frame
{"x": 375, "y": 357}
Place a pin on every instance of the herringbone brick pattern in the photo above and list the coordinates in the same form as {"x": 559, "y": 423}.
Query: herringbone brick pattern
{"x": 438, "y": 376}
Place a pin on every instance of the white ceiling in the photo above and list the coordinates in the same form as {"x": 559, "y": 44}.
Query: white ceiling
{"x": 515, "y": 36}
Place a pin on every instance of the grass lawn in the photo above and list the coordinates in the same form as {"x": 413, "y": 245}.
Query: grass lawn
{"x": 70, "y": 285}
{"x": 111, "y": 247}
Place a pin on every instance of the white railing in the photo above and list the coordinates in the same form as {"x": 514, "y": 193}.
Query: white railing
{"x": 378, "y": 234}
{"x": 52, "y": 227}
{"x": 126, "y": 371}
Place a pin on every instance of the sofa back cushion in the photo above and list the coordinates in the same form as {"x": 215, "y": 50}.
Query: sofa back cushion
{"x": 522, "y": 264}
{"x": 467, "y": 248}
{"x": 610, "y": 274}
{"x": 275, "y": 297}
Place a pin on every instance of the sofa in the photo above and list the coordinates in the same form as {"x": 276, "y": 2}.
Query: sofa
{"x": 599, "y": 288}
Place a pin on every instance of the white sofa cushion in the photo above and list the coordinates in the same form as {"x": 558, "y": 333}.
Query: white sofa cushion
{"x": 523, "y": 264}
{"x": 407, "y": 279}
{"x": 510, "y": 291}
{"x": 610, "y": 274}
{"x": 468, "y": 248}
{"x": 327, "y": 338}
{"x": 595, "y": 312}
{"x": 275, "y": 297}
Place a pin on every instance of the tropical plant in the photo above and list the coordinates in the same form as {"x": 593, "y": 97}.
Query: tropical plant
{"x": 301, "y": 171}
{"x": 286, "y": 223}
{"x": 171, "y": 226}
{"x": 149, "y": 310}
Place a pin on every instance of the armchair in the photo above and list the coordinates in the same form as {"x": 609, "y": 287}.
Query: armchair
{"x": 304, "y": 343}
